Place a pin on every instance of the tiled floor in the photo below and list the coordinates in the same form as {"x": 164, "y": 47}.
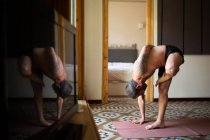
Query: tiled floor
{"x": 117, "y": 109}
{"x": 125, "y": 109}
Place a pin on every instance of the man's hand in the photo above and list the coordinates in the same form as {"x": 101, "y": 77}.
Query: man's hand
{"x": 157, "y": 83}
{"x": 164, "y": 78}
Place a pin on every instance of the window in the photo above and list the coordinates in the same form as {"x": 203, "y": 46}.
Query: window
{"x": 73, "y": 12}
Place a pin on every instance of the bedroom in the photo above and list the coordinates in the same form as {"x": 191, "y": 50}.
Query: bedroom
{"x": 127, "y": 34}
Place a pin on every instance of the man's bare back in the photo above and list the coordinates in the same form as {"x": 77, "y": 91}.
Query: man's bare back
{"x": 154, "y": 59}
{"x": 49, "y": 63}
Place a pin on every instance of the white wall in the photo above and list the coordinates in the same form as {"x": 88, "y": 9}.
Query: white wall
{"x": 19, "y": 86}
{"x": 193, "y": 79}
{"x": 93, "y": 50}
{"x": 124, "y": 21}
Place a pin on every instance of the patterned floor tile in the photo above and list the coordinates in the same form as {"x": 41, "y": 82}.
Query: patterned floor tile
{"x": 109, "y": 126}
{"x": 128, "y": 118}
{"x": 125, "y": 109}
{"x": 111, "y": 115}
{"x": 105, "y": 135}
{"x": 99, "y": 120}
{"x": 96, "y": 111}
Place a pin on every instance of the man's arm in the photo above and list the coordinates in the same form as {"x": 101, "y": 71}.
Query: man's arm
{"x": 59, "y": 107}
{"x": 140, "y": 65}
{"x": 141, "y": 103}
{"x": 171, "y": 67}
{"x": 163, "y": 78}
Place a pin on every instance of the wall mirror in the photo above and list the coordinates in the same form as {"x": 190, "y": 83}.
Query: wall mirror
{"x": 38, "y": 23}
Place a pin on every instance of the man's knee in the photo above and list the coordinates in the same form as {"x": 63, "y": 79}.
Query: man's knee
{"x": 25, "y": 66}
{"x": 172, "y": 71}
{"x": 25, "y": 71}
{"x": 50, "y": 50}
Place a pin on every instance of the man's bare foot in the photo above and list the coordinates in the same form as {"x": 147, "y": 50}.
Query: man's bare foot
{"x": 58, "y": 118}
{"x": 155, "y": 125}
{"x": 44, "y": 123}
{"x": 139, "y": 121}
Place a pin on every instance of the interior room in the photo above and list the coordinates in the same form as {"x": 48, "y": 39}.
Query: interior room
{"x": 98, "y": 42}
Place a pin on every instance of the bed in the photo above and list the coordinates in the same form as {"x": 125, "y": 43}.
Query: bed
{"x": 70, "y": 74}
{"x": 120, "y": 65}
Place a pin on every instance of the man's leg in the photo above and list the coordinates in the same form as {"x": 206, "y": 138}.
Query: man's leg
{"x": 162, "y": 104}
{"x": 57, "y": 70}
{"x": 25, "y": 69}
{"x": 52, "y": 66}
{"x": 24, "y": 66}
{"x": 37, "y": 88}
{"x": 141, "y": 103}
{"x": 59, "y": 107}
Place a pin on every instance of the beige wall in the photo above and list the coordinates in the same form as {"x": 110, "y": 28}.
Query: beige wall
{"x": 125, "y": 19}
{"x": 93, "y": 50}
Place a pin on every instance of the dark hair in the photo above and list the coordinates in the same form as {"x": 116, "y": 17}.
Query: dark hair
{"x": 63, "y": 90}
{"x": 132, "y": 90}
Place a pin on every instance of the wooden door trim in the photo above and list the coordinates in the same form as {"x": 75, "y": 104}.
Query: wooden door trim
{"x": 80, "y": 47}
{"x": 105, "y": 85}
{"x": 149, "y": 40}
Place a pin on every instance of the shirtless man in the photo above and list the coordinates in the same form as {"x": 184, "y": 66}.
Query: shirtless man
{"x": 36, "y": 62}
{"x": 167, "y": 59}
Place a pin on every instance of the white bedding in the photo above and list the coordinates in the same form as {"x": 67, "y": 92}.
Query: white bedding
{"x": 119, "y": 72}
{"x": 70, "y": 72}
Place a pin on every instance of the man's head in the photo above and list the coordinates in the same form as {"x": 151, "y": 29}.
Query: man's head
{"x": 134, "y": 89}
{"x": 63, "y": 90}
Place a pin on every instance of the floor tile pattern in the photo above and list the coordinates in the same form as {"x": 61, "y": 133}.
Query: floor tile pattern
{"x": 125, "y": 109}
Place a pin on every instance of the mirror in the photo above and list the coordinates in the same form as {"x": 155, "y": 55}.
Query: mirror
{"x": 31, "y": 24}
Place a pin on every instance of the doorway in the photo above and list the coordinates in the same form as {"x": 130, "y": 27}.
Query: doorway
{"x": 149, "y": 40}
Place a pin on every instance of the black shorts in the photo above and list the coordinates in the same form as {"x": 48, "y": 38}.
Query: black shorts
{"x": 169, "y": 50}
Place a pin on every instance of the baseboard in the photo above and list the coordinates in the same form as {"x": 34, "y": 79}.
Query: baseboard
{"x": 118, "y": 96}
{"x": 28, "y": 99}
{"x": 94, "y": 101}
{"x": 186, "y": 99}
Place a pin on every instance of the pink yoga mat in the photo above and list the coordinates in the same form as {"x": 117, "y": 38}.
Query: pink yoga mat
{"x": 184, "y": 127}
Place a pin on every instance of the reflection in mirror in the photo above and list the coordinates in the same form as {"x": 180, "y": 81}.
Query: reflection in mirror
{"x": 33, "y": 24}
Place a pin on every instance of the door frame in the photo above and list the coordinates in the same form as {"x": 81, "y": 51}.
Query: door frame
{"x": 149, "y": 40}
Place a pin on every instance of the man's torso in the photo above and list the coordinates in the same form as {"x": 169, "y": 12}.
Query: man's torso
{"x": 156, "y": 59}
